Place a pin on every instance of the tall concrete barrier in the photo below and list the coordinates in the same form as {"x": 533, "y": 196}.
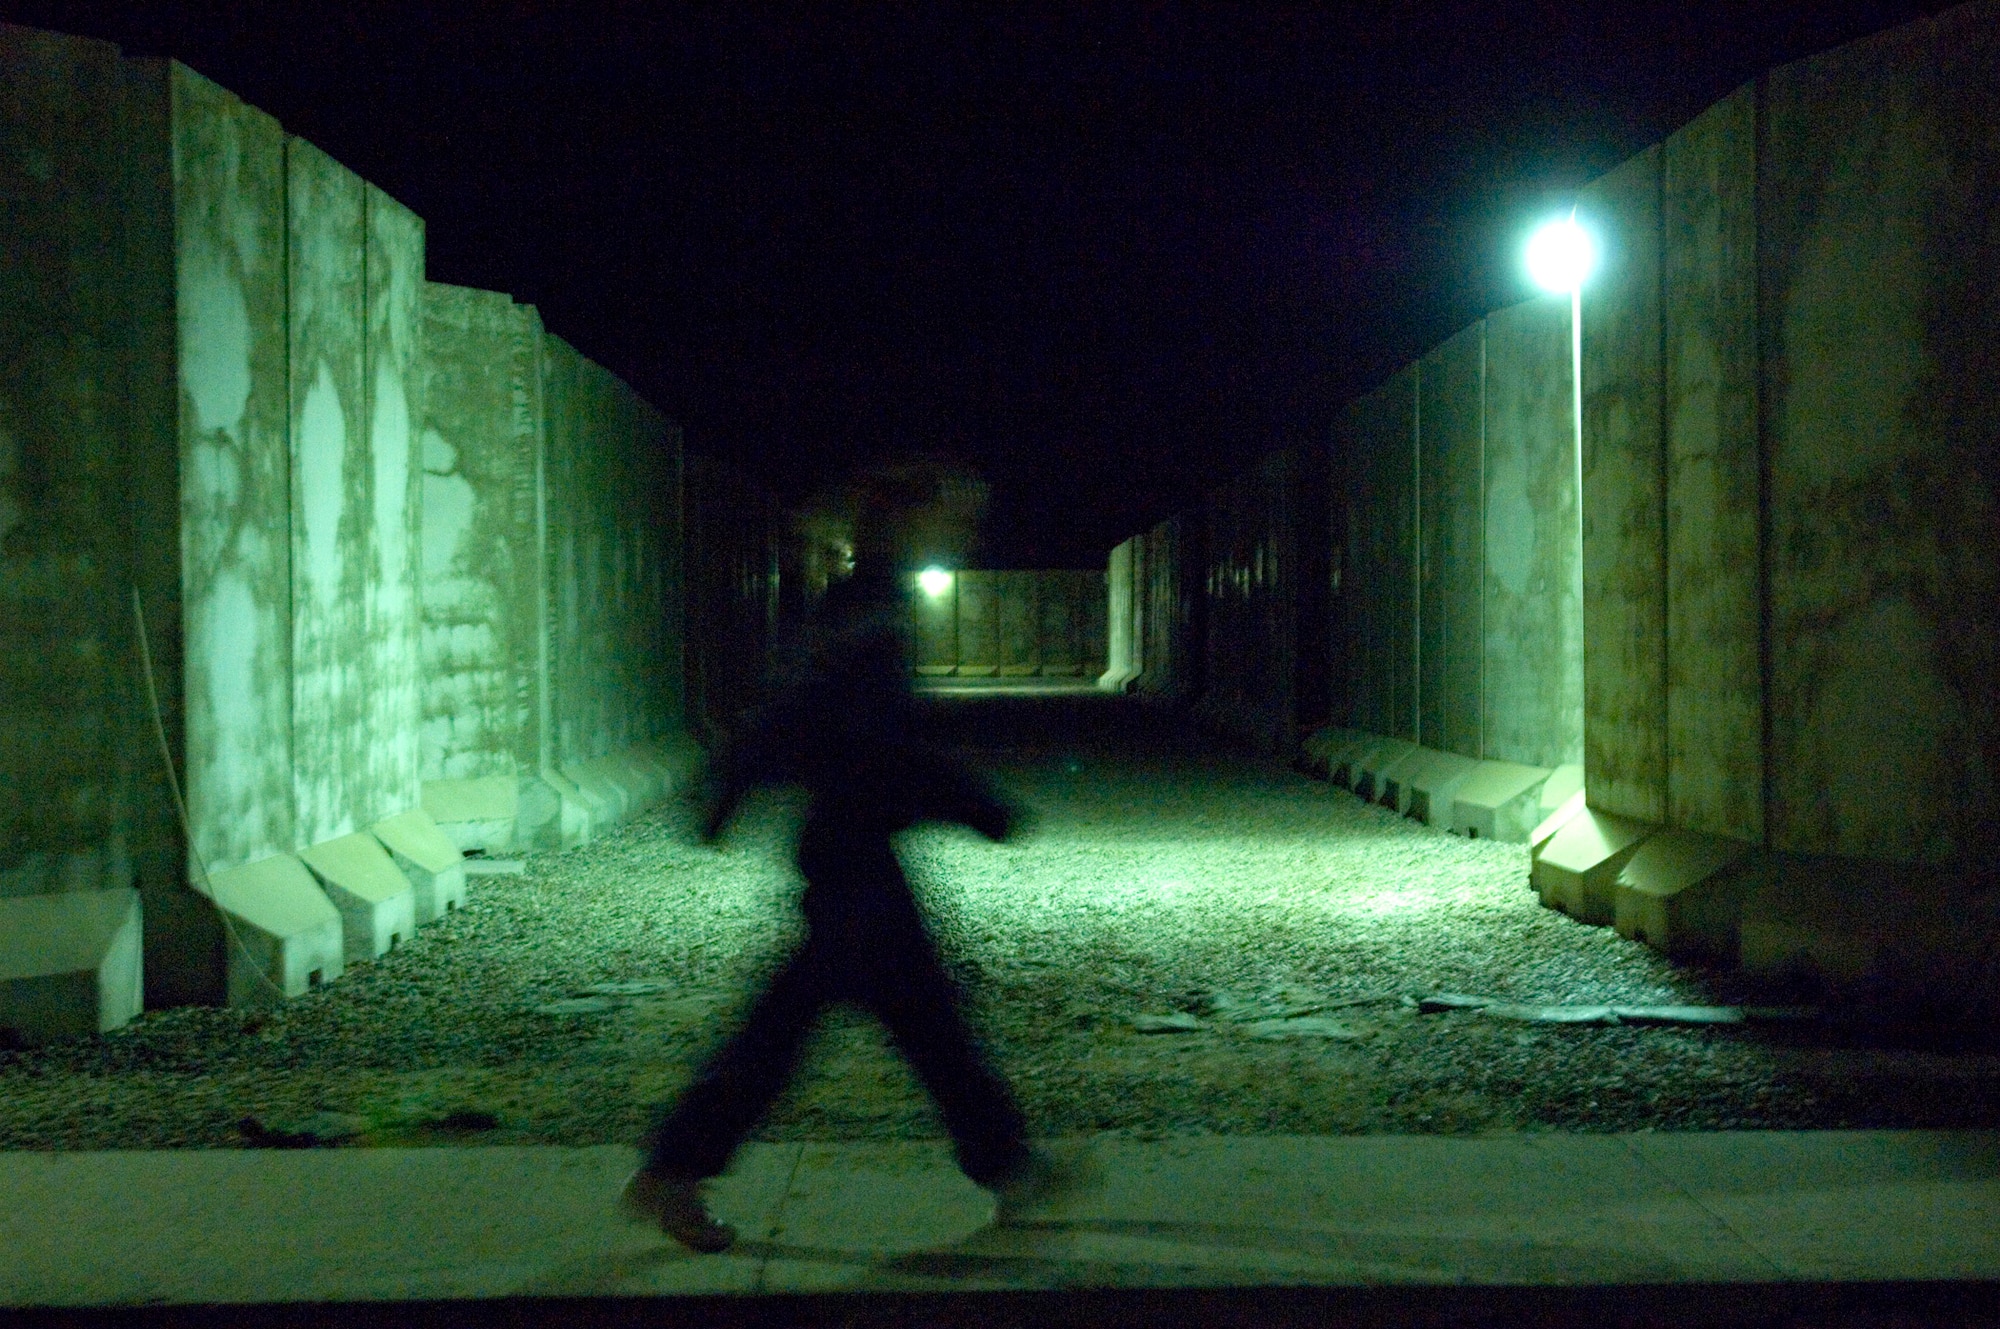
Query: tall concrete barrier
{"x": 216, "y": 390}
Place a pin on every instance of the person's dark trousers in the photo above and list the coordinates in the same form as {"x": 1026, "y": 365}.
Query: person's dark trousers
{"x": 865, "y": 943}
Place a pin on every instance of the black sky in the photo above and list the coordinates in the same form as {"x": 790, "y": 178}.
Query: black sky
{"x": 1109, "y": 253}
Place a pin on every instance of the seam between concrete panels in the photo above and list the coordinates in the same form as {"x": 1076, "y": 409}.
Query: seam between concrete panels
{"x": 1417, "y": 549}
{"x": 1759, "y": 132}
{"x": 1663, "y": 672}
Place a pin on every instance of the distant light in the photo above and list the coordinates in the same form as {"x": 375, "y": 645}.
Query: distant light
{"x": 1561, "y": 255}
{"x": 935, "y": 581}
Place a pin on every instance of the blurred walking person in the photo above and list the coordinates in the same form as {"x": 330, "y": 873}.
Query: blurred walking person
{"x": 844, "y": 725}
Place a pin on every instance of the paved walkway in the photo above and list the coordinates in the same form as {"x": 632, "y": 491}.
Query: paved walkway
{"x": 1536, "y": 1210}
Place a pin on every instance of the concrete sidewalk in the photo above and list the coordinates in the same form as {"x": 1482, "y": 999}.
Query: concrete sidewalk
{"x": 345, "y": 1225}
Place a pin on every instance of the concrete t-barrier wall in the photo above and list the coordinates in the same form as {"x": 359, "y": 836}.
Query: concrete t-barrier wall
{"x": 1038, "y": 623}
{"x": 1790, "y": 499}
{"x": 1265, "y": 666}
{"x": 1166, "y": 616}
{"x": 731, "y": 562}
{"x": 552, "y": 575}
{"x": 1459, "y": 588}
{"x": 215, "y": 376}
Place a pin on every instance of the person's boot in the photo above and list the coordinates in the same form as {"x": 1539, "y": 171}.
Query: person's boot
{"x": 1037, "y": 1181}
{"x": 675, "y": 1204}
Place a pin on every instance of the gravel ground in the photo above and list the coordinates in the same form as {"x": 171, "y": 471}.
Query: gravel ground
{"x": 1282, "y": 918}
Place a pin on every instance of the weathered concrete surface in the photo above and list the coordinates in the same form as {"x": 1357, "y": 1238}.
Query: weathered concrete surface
{"x": 1120, "y": 617}
{"x": 331, "y": 513}
{"x": 1879, "y": 233}
{"x": 1382, "y": 443}
{"x": 937, "y": 631}
{"x": 396, "y": 375}
{"x": 1682, "y": 892}
{"x": 1020, "y": 649}
{"x": 1475, "y": 1229}
{"x": 236, "y": 496}
{"x": 1058, "y": 625}
{"x": 1624, "y": 547}
{"x": 378, "y": 908}
{"x": 979, "y": 625}
{"x": 285, "y": 936}
{"x": 68, "y": 374}
{"x": 71, "y": 964}
{"x": 484, "y": 813}
{"x": 1900, "y": 936}
{"x": 1370, "y": 766}
{"x": 1715, "y": 722}
{"x": 426, "y": 855}
{"x": 1094, "y": 627}
{"x": 1533, "y": 669}
{"x": 1166, "y": 614}
{"x": 484, "y": 540}
{"x": 1256, "y": 591}
{"x": 1450, "y": 521}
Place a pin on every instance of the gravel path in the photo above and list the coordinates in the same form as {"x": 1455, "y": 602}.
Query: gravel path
{"x": 1281, "y": 917}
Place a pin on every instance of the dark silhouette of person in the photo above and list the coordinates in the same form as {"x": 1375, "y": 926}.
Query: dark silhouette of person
{"x": 845, "y": 726}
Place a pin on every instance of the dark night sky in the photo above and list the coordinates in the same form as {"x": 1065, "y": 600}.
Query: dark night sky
{"x": 1107, "y": 253}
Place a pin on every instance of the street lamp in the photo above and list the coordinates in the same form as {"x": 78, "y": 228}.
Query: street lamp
{"x": 935, "y": 582}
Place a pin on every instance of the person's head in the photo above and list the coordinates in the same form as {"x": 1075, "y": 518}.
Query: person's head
{"x": 910, "y": 514}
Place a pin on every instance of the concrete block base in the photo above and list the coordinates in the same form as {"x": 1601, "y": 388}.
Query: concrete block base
{"x": 425, "y": 855}
{"x": 287, "y": 934}
{"x": 1341, "y": 757}
{"x": 1371, "y": 764}
{"x": 1577, "y": 870}
{"x": 70, "y": 964}
{"x": 1433, "y": 787}
{"x": 1903, "y": 934}
{"x": 1317, "y": 748}
{"x": 1392, "y": 784}
{"x": 1502, "y": 800}
{"x": 1563, "y": 784}
{"x": 378, "y": 907}
{"x": 1683, "y": 893}
{"x": 476, "y": 814}
{"x": 1555, "y": 821}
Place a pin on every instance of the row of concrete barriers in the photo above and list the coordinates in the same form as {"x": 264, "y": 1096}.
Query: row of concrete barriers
{"x": 71, "y": 963}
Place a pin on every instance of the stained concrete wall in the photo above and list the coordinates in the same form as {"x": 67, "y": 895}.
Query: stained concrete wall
{"x": 1532, "y": 668}
{"x": 1714, "y": 705}
{"x": 214, "y": 372}
{"x": 1460, "y": 617}
{"x": 1256, "y": 577}
{"x": 229, "y": 176}
{"x": 355, "y": 272}
{"x": 1624, "y": 499}
{"x": 1451, "y": 543}
{"x": 484, "y": 563}
{"x": 1018, "y": 623}
{"x": 1878, "y": 217}
{"x": 1377, "y": 437}
{"x": 88, "y": 470}
{"x": 730, "y": 563}
{"x": 1166, "y": 621}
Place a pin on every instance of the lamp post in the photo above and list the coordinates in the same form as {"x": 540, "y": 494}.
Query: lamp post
{"x": 1561, "y": 256}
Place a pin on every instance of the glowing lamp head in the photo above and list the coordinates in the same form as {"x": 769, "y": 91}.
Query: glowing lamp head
{"x": 935, "y": 582}
{"x": 1561, "y": 256}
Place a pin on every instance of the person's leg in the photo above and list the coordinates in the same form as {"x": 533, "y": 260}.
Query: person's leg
{"x": 908, "y": 988}
{"x": 697, "y": 1135}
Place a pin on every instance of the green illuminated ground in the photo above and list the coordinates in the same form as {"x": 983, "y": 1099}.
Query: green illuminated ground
{"x": 1160, "y": 878}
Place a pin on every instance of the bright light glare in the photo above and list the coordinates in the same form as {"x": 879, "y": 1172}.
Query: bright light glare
{"x": 935, "y": 581}
{"x": 1561, "y": 255}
